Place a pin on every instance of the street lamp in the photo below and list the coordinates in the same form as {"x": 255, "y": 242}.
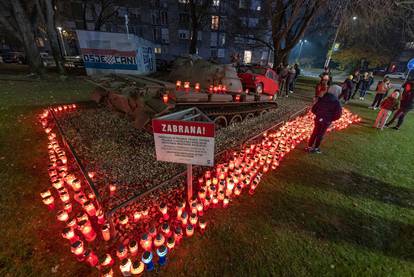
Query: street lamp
{"x": 300, "y": 48}
{"x": 354, "y": 18}
{"x": 62, "y": 42}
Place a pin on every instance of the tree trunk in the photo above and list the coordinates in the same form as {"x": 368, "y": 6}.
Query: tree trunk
{"x": 84, "y": 7}
{"x": 277, "y": 53}
{"x": 285, "y": 58}
{"x": 28, "y": 39}
{"x": 193, "y": 41}
{"x": 53, "y": 36}
{"x": 194, "y": 28}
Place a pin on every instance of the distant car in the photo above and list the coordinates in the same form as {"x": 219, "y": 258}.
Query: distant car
{"x": 74, "y": 61}
{"x": 259, "y": 79}
{"x": 47, "y": 60}
{"x": 14, "y": 57}
{"x": 396, "y": 75}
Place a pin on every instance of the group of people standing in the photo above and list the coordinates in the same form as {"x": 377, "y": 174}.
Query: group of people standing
{"x": 327, "y": 107}
{"x": 399, "y": 103}
{"x": 287, "y": 77}
{"x": 357, "y": 83}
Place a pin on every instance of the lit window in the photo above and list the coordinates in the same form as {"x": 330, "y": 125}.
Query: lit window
{"x": 157, "y": 50}
{"x": 216, "y": 3}
{"x": 247, "y": 58}
{"x": 40, "y": 42}
{"x": 215, "y": 20}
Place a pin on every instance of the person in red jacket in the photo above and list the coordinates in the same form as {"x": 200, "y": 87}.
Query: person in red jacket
{"x": 327, "y": 109}
{"x": 406, "y": 105}
{"x": 381, "y": 90}
{"x": 390, "y": 104}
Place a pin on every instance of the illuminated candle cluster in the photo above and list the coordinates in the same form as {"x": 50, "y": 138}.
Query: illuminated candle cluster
{"x": 83, "y": 221}
{"x": 217, "y": 88}
{"x": 77, "y": 210}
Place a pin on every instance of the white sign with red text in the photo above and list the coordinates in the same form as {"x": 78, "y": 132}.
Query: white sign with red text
{"x": 184, "y": 141}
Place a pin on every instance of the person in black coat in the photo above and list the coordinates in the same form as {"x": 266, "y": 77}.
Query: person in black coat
{"x": 356, "y": 80}
{"x": 347, "y": 88}
{"x": 327, "y": 110}
{"x": 363, "y": 86}
{"x": 407, "y": 104}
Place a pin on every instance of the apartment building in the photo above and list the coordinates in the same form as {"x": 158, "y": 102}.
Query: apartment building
{"x": 229, "y": 27}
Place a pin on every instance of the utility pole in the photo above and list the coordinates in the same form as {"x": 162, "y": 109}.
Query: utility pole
{"x": 126, "y": 24}
{"x": 300, "y": 49}
{"x": 62, "y": 42}
{"x": 331, "y": 49}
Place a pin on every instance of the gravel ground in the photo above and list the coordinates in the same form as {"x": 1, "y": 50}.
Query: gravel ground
{"x": 119, "y": 154}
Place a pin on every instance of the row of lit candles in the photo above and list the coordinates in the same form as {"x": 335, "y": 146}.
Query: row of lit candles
{"x": 61, "y": 179}
{"x": 220, "y": 88}
{"x": 228, "y": 182}
{"x": 220, "y": 184}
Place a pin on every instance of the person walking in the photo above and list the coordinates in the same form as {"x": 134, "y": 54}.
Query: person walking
{"x": 381, "y": 90}
{"x": 297, "y": 74}
{"x": 363, "y": 87}
{"x": 390, "y": 104}
{"x": 406, "y": 105}
{"x": 284, "y": 72}
{"x": 347, "y": 88}
{"x": 356, "y": 80}
{"x": 322, "y": 87}
{"x": 370, "y": 79}
{"x": 290, "y": 79}
{"x": 327, "y": 109}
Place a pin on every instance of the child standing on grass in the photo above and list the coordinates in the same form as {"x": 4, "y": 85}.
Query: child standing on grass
{"x": 390, "y": 104}
{"x": 381, "y": 92}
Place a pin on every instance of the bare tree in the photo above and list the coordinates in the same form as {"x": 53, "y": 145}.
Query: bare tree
{"x": 256, "y": 33}
{"x": 378, "y": 26}
{"x": 289, "y": 21}
{"x": 199, "y": 12}
{"x": 46, "y": 13}
{"x": 101, "y": 10}
{"x": 16, "y": 18}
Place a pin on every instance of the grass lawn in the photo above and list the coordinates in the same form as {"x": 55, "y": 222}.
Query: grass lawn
{"x": 347, "y": 212}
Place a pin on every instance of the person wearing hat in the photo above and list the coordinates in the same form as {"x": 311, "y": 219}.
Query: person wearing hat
{"x": 327, "y": 109}
{"x": 381, "y": 90}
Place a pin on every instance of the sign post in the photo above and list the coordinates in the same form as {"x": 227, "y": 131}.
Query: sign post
{"x": 189, "y": 182}
{"x": 185, "y": 137}
{"x": 410, "y": 66}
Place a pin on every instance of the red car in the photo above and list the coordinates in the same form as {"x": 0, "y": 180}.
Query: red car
{"x": 259, "y": 79}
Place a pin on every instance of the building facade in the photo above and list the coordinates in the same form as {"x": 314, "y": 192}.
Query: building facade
{"x": 229, "y": 27}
